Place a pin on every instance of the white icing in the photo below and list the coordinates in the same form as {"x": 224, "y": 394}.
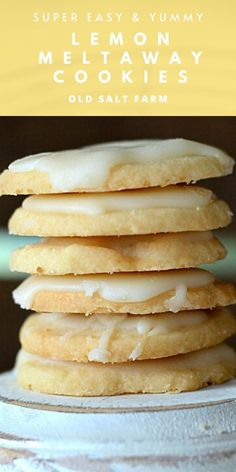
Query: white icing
{"x": 145, "y": 326}
{"x": 116, "y": 287}
{"x": 197, "y": 359}
{"x": 101, "y": 353}
{"x": 137, "y": 351}
{"x": 100, "y": 322}
{"x": 92, "y": 204}
{"x": 90, "y": 166}
{"x": 169, "y": 323}
{"x": 178, "y": 300}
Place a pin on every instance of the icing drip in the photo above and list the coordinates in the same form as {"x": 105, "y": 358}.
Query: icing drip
{"x": 174, "y": 303}
{"x": 90, "y": 167}
{"x": 94, "y": 204}
{"x": 145, "y": 326}
{"x": 101, "y": 353}
{"x": 192, "y": 360}
{"x": 137, "y": 351}
{"x": 140, "y": 323}
{"x": 116, "y": 287}
{"x": 158, "y": 327}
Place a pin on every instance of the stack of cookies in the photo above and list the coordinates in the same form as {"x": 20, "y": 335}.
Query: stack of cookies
{"x": 121, "y": 305}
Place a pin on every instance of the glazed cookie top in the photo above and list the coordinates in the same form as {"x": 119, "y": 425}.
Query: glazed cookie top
{"x": 115, "y": 166}
{"x": 117, "y": 287}
{"x": 119, "y": 338}
{"x": 181, "y": 196}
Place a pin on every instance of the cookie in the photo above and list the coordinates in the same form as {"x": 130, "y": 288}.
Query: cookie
{"x": 61, "y": 256}
{"x": 181, "y": 373}
{"x": 135, "y": 293}
{"x": 172, "y": 209}
{"x": 120, "y": 338}
{"x": 115, "y": 166}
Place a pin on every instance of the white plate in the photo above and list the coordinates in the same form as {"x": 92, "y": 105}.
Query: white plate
{"x": 191, "y": 432}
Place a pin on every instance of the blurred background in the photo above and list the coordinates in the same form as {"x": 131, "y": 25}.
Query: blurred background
{"x": 20, "y": 136}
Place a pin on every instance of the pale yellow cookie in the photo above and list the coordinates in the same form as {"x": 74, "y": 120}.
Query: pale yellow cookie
{"x": 185, "y": 372}
{"x": 135, "y": 293}
{"x": 60, "y": 256}
{"x": 172, "y": 209}
{"x": 120, "y": 338}
{"x": 115, "y": 166}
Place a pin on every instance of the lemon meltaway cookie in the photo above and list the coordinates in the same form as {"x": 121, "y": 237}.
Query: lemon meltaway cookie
{"x": 120, "y": 338}
{"x": 60, "y": 256}
{"x": 184, "y": 372}
{"x": 115, "y": 166}
{"x": 161, "y": 210}
{"x": 135, "y": 293}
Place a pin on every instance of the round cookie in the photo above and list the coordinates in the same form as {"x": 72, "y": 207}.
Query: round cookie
{"x": 135, "y": 293}
{"x": 60, "y": 256}
{"x": 172, "y": 209}
{"x": 120, "y": 338}
{"x": 181, "y": 373}
{"x": 115, "y": 166}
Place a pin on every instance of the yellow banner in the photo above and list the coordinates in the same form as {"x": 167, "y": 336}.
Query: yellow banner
{"x": 100, "y": 57}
